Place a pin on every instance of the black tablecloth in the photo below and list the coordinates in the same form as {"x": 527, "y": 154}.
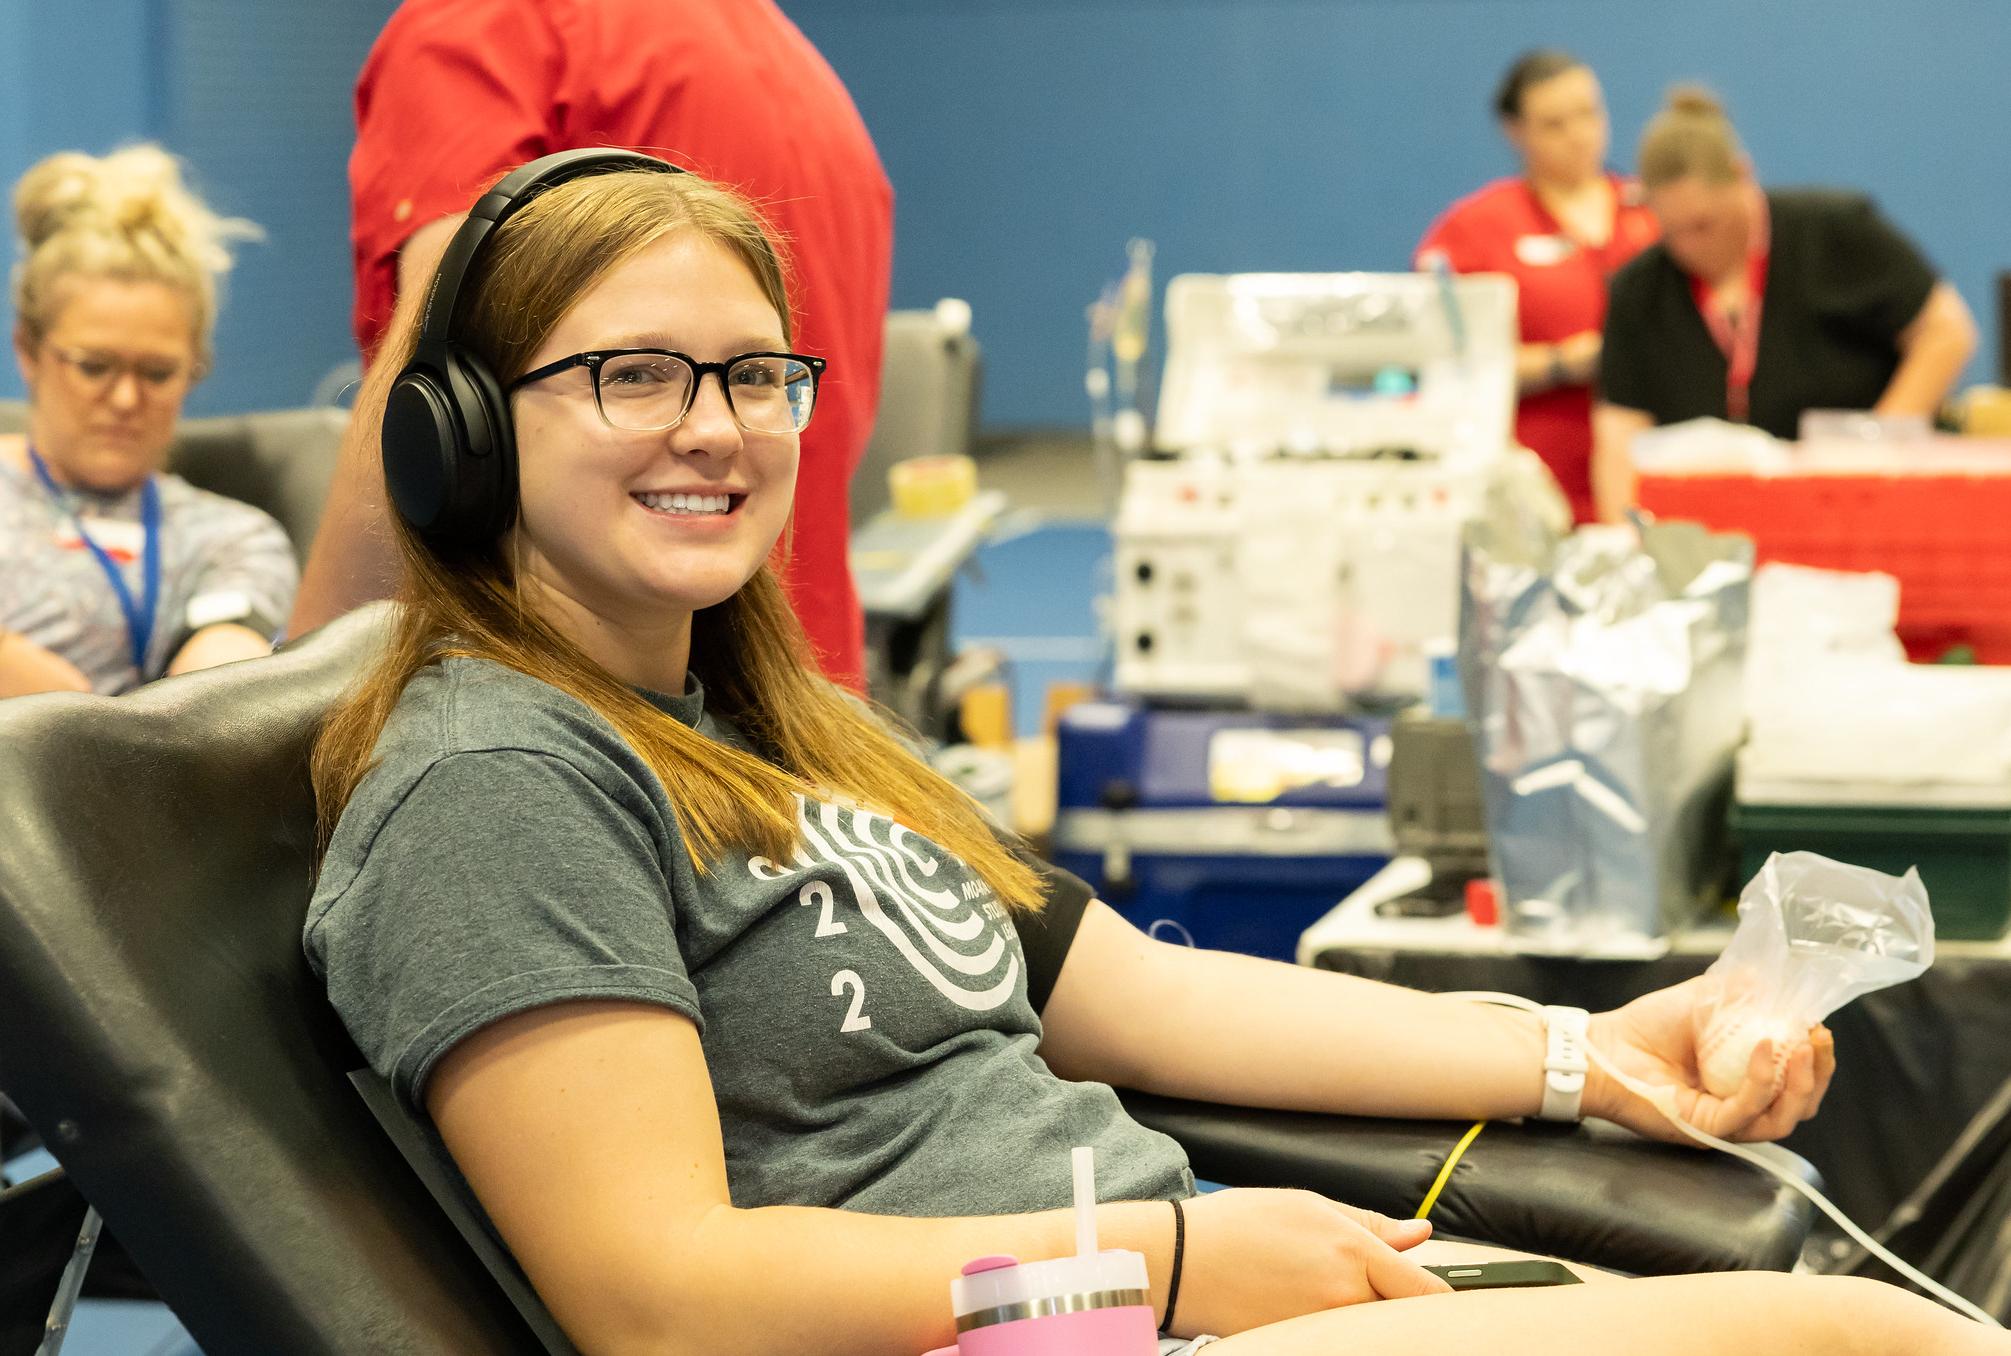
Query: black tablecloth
{"x": 1914, "y": 1063}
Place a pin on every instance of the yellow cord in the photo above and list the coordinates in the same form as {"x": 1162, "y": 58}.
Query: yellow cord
{"x": 1445, "y": 1173}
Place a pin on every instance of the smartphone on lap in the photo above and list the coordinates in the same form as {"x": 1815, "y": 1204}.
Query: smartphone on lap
{"x": 1505, "y": 1275}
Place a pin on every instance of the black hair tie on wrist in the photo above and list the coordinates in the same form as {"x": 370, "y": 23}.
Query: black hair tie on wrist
{"x": 1179, "y": 1248}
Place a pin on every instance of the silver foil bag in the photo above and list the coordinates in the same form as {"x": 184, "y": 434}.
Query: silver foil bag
{"x": 1604, "y": 674}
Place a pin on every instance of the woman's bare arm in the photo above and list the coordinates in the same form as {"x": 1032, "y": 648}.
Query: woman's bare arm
{"x": 26, "y": 667}
{"x": 1933, "y": 349}
{"x": 1614, "y": 481}
{"x": 1219, "y": 1027}
{"x": 223, "y": 643}
{"x": 1141, "y": 1013}
{"x": 589, "y": 1132}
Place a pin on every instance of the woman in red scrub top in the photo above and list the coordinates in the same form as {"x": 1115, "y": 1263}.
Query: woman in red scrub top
{"x": 1560, "y": 229}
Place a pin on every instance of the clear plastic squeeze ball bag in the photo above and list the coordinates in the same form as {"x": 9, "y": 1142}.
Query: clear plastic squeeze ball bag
{"x": 1813, "y": 934}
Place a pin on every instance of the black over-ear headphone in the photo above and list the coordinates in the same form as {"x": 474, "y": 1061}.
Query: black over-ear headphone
{"x": 450, "y": 455}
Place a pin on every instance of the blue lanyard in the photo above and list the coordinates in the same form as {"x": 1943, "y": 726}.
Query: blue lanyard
{"x": 139, "y": 617}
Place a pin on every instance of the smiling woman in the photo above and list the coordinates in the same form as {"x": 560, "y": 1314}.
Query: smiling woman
{"x": 113, "y": 572}
{"x": 675, "y": 533}
{"x": 745, "y": 1029}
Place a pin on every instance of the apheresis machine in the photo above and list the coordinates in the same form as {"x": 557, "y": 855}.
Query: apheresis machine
{"x": 1287, "y": 565}
{"x": 1292, "y": 542}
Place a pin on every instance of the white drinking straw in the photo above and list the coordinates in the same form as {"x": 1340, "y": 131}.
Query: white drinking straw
{"x": 1083, "y": 1160}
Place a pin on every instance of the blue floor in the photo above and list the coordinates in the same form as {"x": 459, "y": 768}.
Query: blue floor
{"x": 1030, "y": 593}
{"x": 127, "y": 1328}
{"x": 112, "y": 1327}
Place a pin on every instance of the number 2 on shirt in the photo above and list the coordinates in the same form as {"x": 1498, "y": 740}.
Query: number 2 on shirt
{"x": 818, "y": 893}
{"x": 848, "y": 981}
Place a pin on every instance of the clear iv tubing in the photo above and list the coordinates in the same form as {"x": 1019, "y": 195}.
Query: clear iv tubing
{"x": 1662, "y": 1104}
{"x": 1455, "y": 318}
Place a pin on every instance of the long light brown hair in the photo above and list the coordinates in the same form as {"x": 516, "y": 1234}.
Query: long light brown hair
{"x": 749, "y": 651}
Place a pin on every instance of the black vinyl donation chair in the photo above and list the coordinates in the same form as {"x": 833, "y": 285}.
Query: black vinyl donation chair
{"x": 161, "y": 1031}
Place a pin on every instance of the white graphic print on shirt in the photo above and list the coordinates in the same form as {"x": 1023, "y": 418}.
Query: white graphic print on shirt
{"x": 954, "y": 933}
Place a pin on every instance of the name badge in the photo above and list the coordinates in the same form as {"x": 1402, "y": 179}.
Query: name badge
{"x": 1543, "y": 251}
{"x": 222, "y": 605}
{"x": 118, "y": 538}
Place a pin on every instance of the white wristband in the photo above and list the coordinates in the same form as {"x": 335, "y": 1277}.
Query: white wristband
{"x": 1564, "y": 1063}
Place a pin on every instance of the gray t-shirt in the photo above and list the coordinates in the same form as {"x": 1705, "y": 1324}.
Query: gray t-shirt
{"x": 863, "y": 1006}
{"x": 220, "y": 561}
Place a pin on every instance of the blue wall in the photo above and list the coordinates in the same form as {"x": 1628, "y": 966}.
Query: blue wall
{"x": 71, "y": 77}
{"x": 1028, "y": 139}
{"x": 259, "y": 100}
{"x": 255, "y": 95}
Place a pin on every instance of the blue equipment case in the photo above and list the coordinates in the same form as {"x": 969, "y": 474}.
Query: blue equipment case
{"x": 1242, "y": 828}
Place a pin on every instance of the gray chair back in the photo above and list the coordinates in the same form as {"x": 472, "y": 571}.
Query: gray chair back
{"x": 278, "y": 460}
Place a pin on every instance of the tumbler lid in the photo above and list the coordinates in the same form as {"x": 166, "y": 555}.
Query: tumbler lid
{"x": 998, "y": 1290}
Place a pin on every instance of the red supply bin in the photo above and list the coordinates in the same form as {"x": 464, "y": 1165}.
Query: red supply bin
{"x": 1945, "y": 536}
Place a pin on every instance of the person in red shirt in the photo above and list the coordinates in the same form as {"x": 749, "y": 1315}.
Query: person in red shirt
{"x": 1561, "y": 229}
{"x": 455, "y": 92}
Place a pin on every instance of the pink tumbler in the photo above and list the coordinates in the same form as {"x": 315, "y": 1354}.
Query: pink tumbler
{"x": 1093, "y": 1305}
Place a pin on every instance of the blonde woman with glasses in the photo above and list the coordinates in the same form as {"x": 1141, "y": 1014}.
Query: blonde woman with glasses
{"x": 113, "y": 572}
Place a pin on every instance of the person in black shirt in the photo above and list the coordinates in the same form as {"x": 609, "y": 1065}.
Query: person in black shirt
{"x": 1758, "y": 305}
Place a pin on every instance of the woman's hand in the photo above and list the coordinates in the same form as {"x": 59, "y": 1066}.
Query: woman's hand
{"x": 1579, "y": 356}
{"x": 1653, "y": 1041}
{"x": 1257, "y": 1256}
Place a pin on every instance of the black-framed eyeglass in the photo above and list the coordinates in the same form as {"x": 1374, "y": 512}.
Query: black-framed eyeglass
{"x": 646, "y": 390}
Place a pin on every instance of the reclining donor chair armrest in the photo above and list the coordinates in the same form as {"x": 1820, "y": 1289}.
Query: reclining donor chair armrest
{"x": 1591, "y": 1193}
